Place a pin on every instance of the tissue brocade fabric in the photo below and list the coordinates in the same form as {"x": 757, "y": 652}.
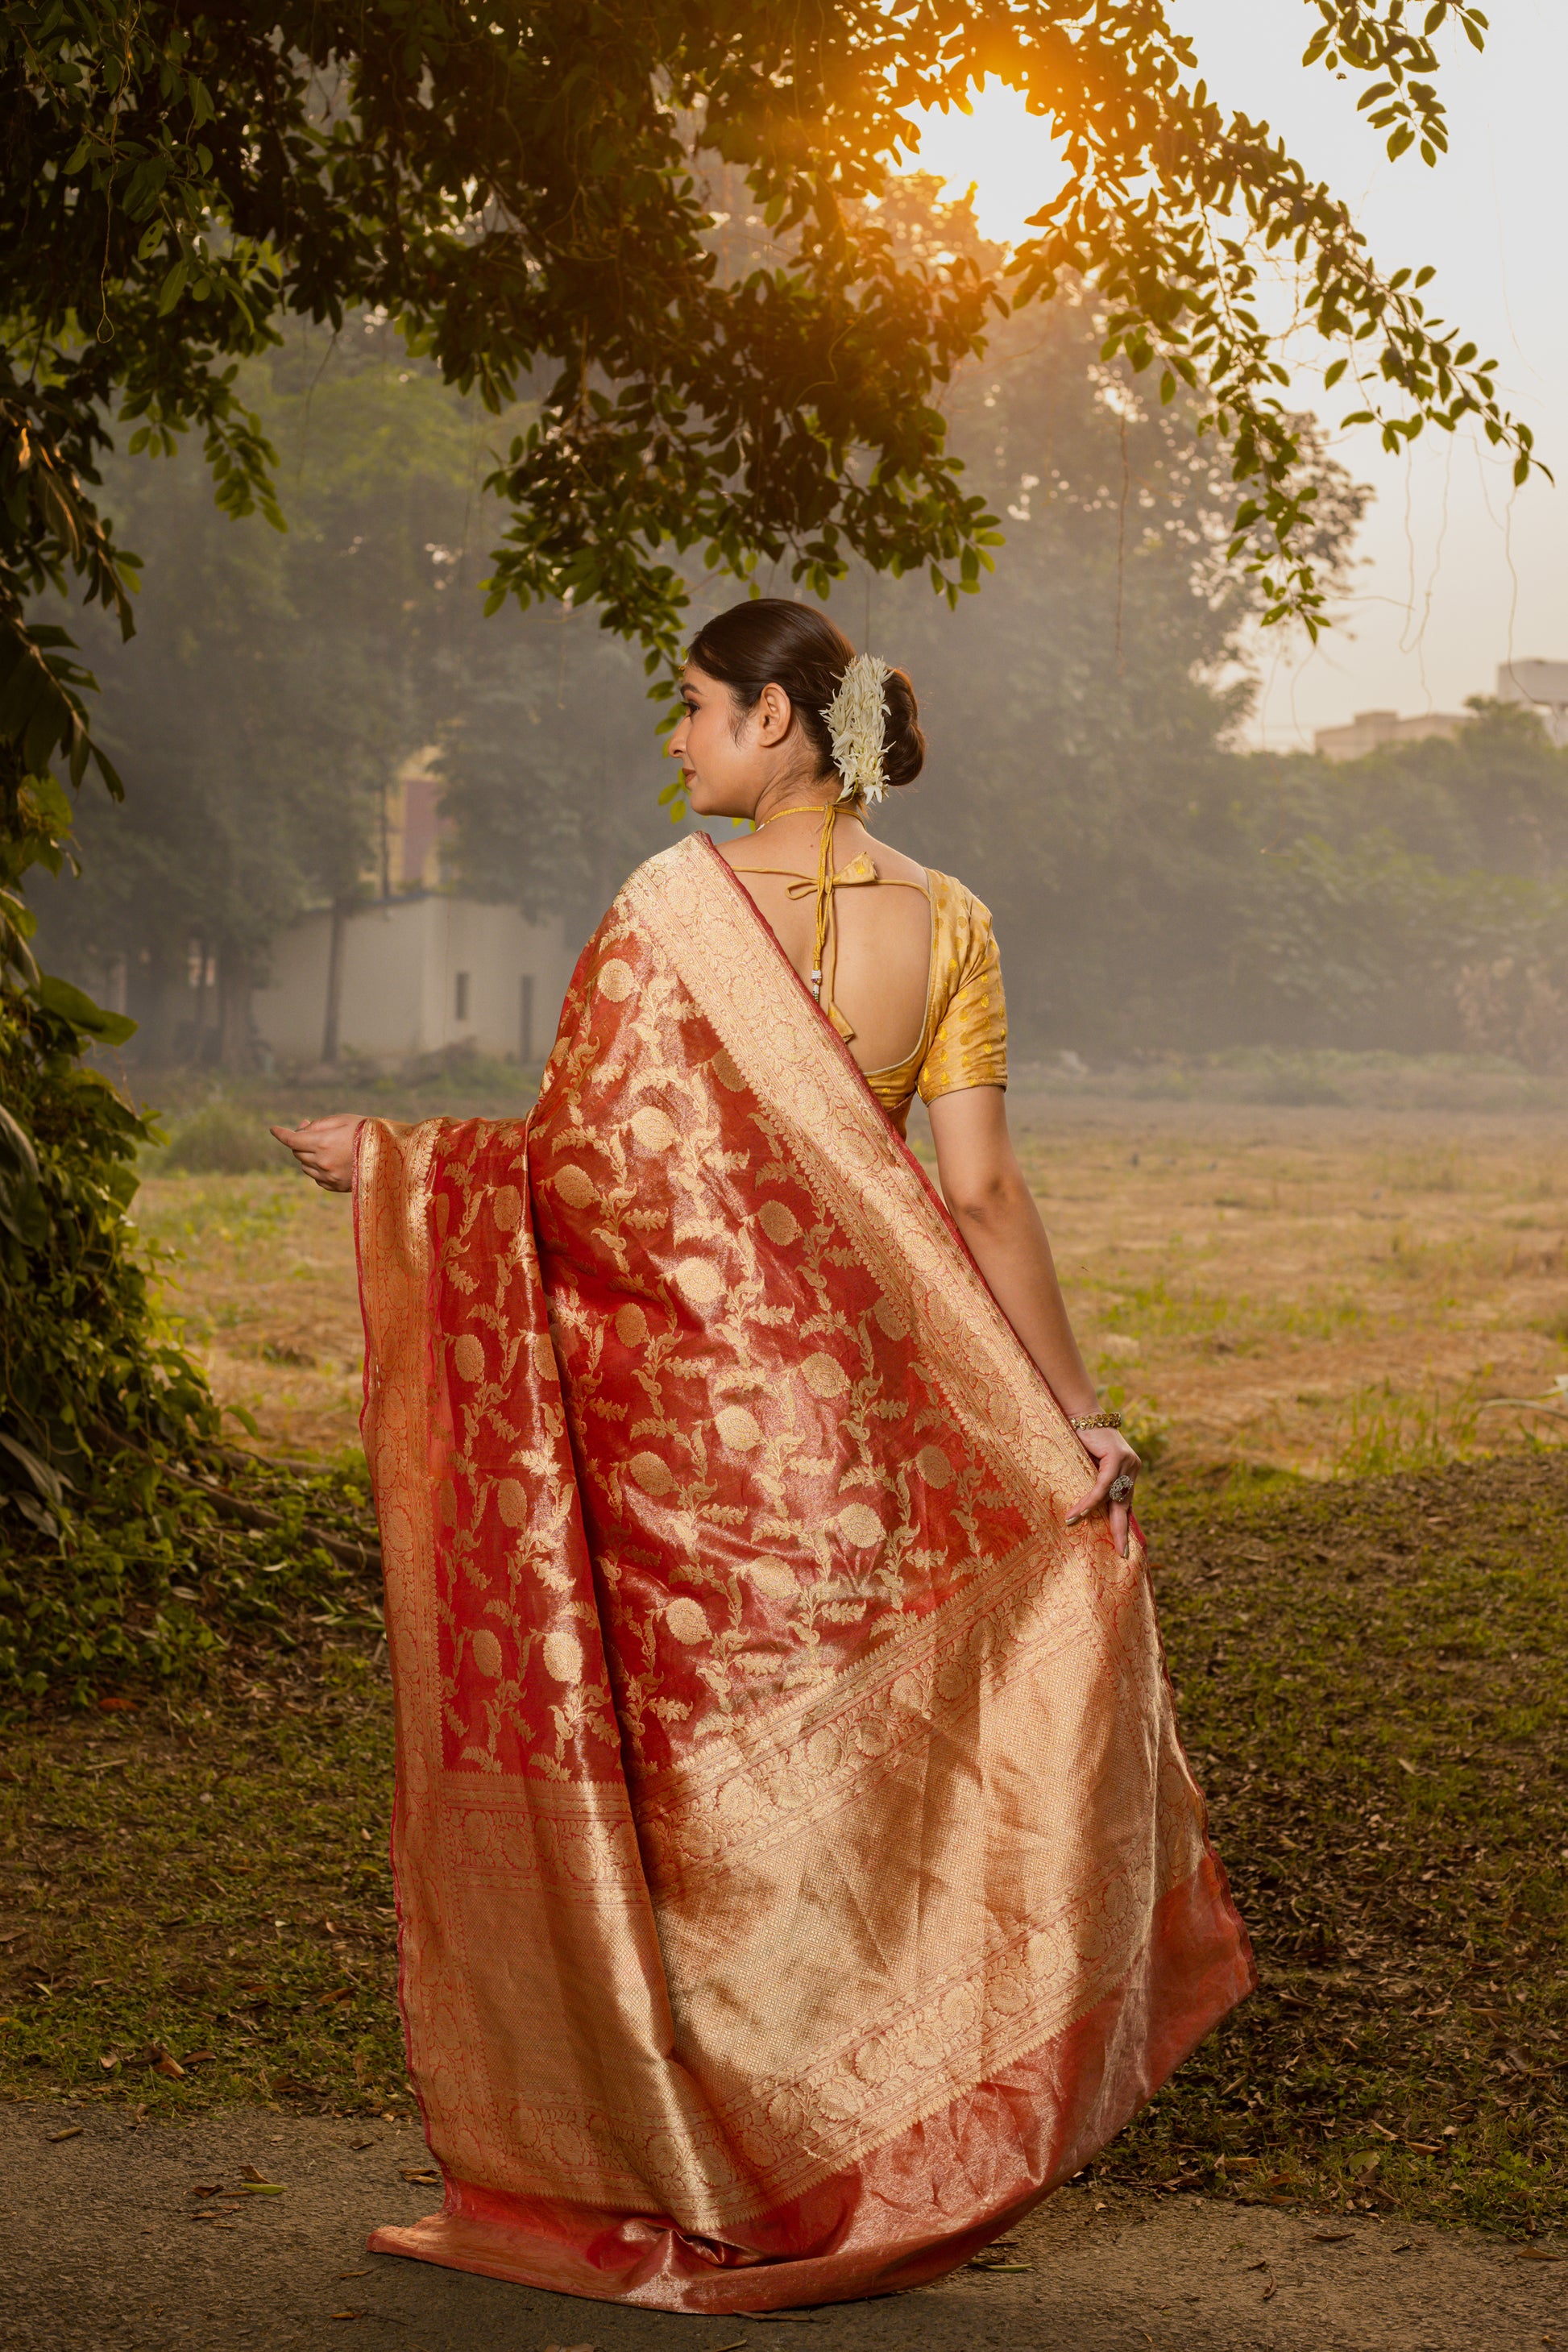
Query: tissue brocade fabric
{"x": 798, "y": 1872}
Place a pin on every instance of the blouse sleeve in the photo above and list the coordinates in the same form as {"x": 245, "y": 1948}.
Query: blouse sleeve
{"x": 969, "y": 1047}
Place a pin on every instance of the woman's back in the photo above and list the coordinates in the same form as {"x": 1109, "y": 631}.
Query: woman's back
{"x": 878, "y": 971}
{"x": 910, "y": 974}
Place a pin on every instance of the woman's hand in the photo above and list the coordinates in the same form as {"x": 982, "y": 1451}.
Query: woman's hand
{"x": 324, "y": 1148}
{"x": 1114, "y": 1458}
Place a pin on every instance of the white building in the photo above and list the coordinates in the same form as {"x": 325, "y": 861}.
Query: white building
{"x": 1370, "y": 730}
{"x": 1543, "y": 685}
{"x": 415, "y": 975}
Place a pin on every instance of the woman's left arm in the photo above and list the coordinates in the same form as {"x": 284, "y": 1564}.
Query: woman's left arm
{"x": 324, "y": 1148}
{"x": 995, "y": 1210}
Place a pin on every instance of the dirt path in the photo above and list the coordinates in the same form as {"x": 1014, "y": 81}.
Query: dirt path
{"x": 101, "y": 2254}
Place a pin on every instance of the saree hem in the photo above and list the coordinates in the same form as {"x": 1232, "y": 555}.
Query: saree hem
{"x": 853, "y": 2236}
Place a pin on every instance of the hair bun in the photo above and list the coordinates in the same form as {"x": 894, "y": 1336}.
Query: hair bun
{"x": 903, "y": 741}
{"x": 775, "y": 640}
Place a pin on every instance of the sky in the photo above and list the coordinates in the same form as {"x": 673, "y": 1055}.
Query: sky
{"x": 1456, "y": 572}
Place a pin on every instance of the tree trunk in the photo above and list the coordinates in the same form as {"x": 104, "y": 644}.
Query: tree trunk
{"x": 236, "y": 1036}
{"x": 334, "y": 980}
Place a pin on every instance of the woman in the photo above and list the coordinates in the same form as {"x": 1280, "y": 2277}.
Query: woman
{"x": 798, "y": 1872}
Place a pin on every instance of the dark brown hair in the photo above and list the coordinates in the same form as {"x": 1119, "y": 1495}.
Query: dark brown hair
{"x": 774, "y": 641}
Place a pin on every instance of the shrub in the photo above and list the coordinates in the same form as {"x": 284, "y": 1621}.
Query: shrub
{"x": 219, "y": 1140}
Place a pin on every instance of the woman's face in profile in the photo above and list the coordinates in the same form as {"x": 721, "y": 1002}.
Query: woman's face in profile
{"x": 730, "y": 756}
{"x": 717, "y": 758}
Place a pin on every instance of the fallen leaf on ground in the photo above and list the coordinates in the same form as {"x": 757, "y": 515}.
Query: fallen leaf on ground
{"x": 201, "y": 2058}
{"x": 262, "y": 2188}
{"x": 1331, "y": 2237}
{"x": 343, "y": 2314}
{"x": 250, "y": 2172}
{"x": 207, "y": 2189}
{"x": 345, "y": 1992}
{"x": 348, "y": 2274}
{"x": 358, "y": 2146}
{"x": 1530, "y": 2254}
{"x": 1268, "y": 2292}
{"x": 426, "y": 2179}
{"x": 169, "y": 2067}
{"x": 72, "y": 2131}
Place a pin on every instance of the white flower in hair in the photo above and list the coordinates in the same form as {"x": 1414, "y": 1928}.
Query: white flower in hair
{"x": 856, "y": 720}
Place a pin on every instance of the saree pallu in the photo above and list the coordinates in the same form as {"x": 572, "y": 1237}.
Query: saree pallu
{"x": 798, "y": 1872}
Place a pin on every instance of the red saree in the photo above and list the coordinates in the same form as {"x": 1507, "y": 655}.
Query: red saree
{"x": 799, "y": 1871}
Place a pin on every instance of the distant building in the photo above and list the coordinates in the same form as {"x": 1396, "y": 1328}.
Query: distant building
{"x": 1369, "y": 730}
{"x": 415, "y": 975}
{"x": 418, "y": 968}
{"x": 1543, "y": 685}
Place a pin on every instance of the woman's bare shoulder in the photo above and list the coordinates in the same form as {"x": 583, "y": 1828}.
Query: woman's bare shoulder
{"x": 892, "y": 865}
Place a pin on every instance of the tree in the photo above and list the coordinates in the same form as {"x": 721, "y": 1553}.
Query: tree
{"x": 526, "y": 191}
{"x": 277, "y": 683}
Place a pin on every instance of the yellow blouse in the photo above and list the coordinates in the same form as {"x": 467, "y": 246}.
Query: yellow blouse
{"x": 964, "y": 1039}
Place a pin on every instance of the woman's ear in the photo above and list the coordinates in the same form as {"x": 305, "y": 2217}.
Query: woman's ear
{"x": 773, "y": 713}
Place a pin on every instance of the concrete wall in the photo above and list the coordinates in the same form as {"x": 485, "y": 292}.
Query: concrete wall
{"x": 418, "y": 974}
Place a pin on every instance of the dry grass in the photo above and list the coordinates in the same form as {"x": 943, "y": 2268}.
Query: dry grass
{"x": 1316, "y": 1288}
{"x": 257, "y": 1276}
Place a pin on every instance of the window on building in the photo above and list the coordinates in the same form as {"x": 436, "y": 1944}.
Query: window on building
{"x": 525, "y": 1020}
{"x": 462, "y": 996}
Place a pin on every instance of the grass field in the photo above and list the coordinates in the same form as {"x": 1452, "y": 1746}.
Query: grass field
{"x": 1322, "y": 1288}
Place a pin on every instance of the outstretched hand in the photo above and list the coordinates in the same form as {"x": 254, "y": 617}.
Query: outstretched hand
{"x": 1112, "y": 1457}
{"x": 324, "y": 1148}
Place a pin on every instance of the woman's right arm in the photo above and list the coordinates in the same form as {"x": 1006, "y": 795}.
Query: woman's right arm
{"x": 995, "y": 1210}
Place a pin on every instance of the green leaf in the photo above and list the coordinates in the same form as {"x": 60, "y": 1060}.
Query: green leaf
{"x": 38, "y": 1475}
{"x": 73, "y": 1004}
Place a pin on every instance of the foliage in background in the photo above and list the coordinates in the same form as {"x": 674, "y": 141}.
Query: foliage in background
{"x": 80, "y": 1365}
{"x": 154, "y": 1584}
{"x": 525, "y": 194}
{"x": 277, "y": 682}
{"x": 1417, "y": 898}
{"x": 1154, "y": 889}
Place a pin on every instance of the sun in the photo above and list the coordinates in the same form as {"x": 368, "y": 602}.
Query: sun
{"x": 1011, "y": 158}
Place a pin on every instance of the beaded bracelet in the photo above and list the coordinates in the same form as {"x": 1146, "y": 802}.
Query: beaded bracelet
{"x": 1095, "y": 1421}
